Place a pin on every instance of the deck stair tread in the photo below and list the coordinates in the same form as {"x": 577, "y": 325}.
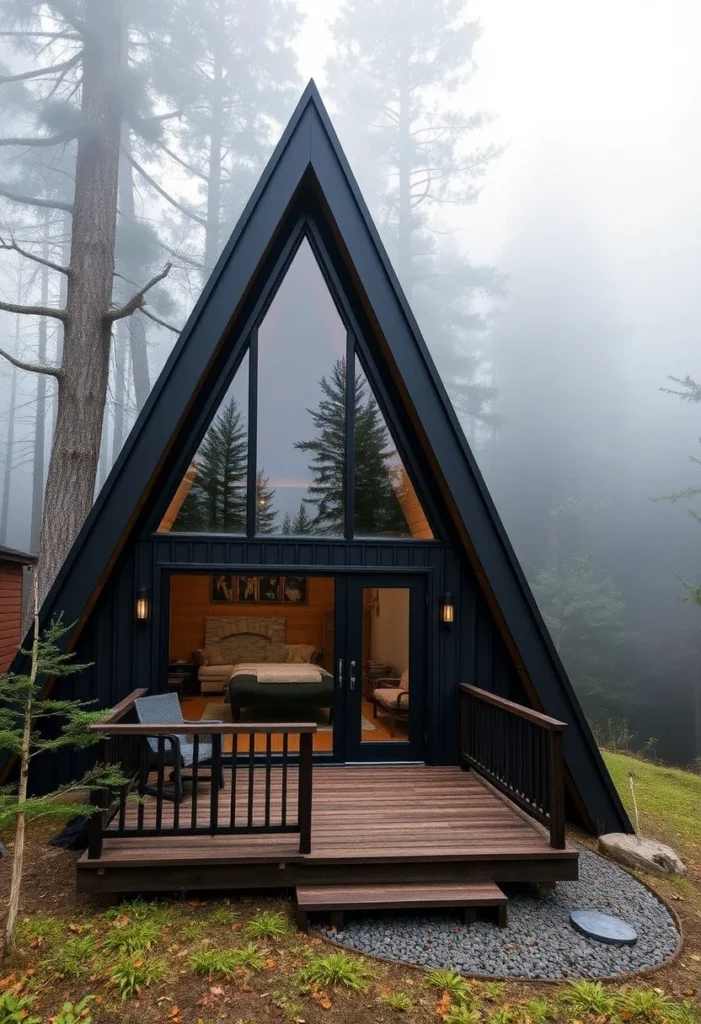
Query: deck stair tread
{"x": 402, "y": 895}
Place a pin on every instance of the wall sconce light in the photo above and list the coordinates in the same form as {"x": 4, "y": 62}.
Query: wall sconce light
{"x": 142, "y": 605}
{"x": 447, "y": 609}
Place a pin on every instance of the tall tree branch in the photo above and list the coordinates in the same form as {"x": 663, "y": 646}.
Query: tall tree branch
{"x": 157, "y": 320}
{"x": 42, "y": 35}
{"x": 51, "y": 371}
{"x": 41, "y": 72}
{"x": 183, "y": 163}
{"x": 137, "y": 299}
{"x": 46, "y": 204}
{"x": 45, "y": 140}
{"x": 168, "y": 198}
{"x": 15, "y": 307}
{"x": 58, "y": 267}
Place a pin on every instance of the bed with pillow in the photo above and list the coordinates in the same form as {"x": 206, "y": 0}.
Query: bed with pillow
{"x": 284, "y": 688}
{"x": 215, "y": 667}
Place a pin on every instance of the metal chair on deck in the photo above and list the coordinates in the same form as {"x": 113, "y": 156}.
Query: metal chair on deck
{"x": 179, "y": 752}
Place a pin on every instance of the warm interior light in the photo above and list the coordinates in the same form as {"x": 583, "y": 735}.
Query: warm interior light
{"x": 447, "y": 608}
{"x": 142, "y": 605}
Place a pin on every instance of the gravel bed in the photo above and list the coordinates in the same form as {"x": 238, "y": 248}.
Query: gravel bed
{"x": 539, "y": 941}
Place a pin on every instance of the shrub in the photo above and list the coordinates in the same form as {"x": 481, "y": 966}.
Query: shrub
{"x": 268, "y": 924}
{"x": 335, "y": 969}
{"x": 223, "y": 915}
{"x": 159, "y": 914}
{"x": 134, "y": 973}
{"x": 75, "y": 1013}
{"x": 16, "y": 1009}
{"x": 458, "y": 1014}
{"x": 537, "y": 1011}
{"x": 227, "y": 961}
{"x": 643, "y": 1004}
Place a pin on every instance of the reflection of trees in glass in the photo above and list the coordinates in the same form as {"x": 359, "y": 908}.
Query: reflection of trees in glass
{"x": 300, "y": 523}
{"x": 266, "y": 514}
{"x": 217, "y": 498}
{"x": 377, "y": 509}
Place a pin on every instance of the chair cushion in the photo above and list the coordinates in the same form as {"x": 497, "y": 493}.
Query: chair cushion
{"x": 393, "y": 700}
{"x": 404, "y": 680}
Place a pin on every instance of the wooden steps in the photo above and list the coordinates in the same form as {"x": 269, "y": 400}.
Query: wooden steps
{"x": 395, "y": 896}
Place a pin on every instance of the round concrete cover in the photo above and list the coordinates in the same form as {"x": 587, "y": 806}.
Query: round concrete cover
{"x": 603, "y": 928}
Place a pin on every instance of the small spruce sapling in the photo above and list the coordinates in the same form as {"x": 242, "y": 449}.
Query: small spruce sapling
{"x": 22, "y": 707}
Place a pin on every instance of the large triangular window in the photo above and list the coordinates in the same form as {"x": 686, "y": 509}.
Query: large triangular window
{"x": 289, "y": 451}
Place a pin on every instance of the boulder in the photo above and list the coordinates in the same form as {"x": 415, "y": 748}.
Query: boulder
{"x": 647, "y": 854}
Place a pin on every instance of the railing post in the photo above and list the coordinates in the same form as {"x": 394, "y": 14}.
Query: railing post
{"x": 304, "y": 793}
{"x": 98, "y": 800}
{"x": 464, "y": 724}
{"x": 556, "y": 789}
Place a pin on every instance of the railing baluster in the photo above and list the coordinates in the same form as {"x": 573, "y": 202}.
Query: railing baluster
{"x": 234, "y": 755}
{"x": 268, "y": 754}
{"x": 195, "y": 778}
{"x": 160, "y": 777}
{"x": 283, "y": 784}
{"x": 143, "y": 781}
{"x": 251, "y": 777}
{"x": 215, "y": 777}
{"x": 304, "y": 793}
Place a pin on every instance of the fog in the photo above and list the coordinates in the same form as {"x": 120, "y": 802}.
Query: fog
{"x": 551, "y": 251}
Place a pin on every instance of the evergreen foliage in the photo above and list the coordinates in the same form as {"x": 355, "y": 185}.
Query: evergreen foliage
{"x": 266, "y": 513}
{"x": 392, "y": 77}
{"x": 585, "y": 614}
{"x": 216, "y": 500}
{"x": 377, "y": 509}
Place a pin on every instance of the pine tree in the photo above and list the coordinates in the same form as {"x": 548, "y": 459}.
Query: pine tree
{"x": 302, "y": 522}
{"x": 396, "y": 65}
{"x": 217, "y": 499}
{"x": 377, "y": 509}
{"x": 24, "y": 707}
{"x": 266, "y": 514}
{"x": 585, "y": 614}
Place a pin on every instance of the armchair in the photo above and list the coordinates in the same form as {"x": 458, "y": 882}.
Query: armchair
{"x": 164, "y": 709}
{"x": 390, "y": 695}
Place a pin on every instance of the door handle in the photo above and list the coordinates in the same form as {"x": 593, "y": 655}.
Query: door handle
{"x": 352, "y": 675}
{"x": 340, "y": 673}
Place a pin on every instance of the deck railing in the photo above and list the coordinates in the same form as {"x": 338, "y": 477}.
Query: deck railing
{"x": 519, "y": 751}
{"x": 264, "y": 795}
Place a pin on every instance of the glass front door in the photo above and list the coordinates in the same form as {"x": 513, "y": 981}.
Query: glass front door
{"x": 380, "y": 679}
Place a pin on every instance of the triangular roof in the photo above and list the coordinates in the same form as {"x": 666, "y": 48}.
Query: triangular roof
{"x": 309, "y": 155}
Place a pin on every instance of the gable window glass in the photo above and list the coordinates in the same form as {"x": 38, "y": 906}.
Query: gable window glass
{"x": 211, "y": 497}
{"x": 301, "y": 426}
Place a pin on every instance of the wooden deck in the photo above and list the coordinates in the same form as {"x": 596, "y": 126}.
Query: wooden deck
{"x": 369, "y": 824}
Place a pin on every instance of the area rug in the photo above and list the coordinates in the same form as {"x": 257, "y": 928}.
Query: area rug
{"x": 215, "y": 712}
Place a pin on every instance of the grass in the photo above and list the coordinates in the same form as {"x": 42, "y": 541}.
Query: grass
{"x": 72, "y": 959}
{"x": 668, "y": 798}
{"x": 38, "y": 929}
{"x": 131, "y": 974}
{"x": 452, "y": 983}
{"x": 399, "y": 1001}
{"x": 75, "y": 1013}
{"x": 223, "y": 915}
{"x": 642, "y": 1004}
{"x": 268, "y": 924}
{"x": 459, "y": 1014}
{"x": 589, "y": 997}
{"x": 211, "y": 962}
{"x": 159, "y": 914}
{"x": 16, "y": 1009}
{"x": 335, "y": 969}
{"x": 136, "y": 937}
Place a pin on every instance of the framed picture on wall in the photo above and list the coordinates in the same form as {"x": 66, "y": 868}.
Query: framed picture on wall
{"x": 247, "y": 589}
{"x": 222, "y": 589}
{"x": 270, "y": 589}
{"x": 294, "y": 589}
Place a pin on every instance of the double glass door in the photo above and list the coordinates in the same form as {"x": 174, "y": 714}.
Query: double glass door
{"x": 380, "y": 668}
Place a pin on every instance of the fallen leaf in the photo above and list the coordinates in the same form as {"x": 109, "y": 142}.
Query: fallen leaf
{"x": 444, "y": 1005}
{"x": 689, "y": 993}
{"x": 694, "y": 956}
{"x": 175, "y": 1011}
{"x": 270, "y": 963}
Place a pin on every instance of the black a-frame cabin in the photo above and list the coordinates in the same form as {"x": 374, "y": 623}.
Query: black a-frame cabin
{"x": 297, "y": 543}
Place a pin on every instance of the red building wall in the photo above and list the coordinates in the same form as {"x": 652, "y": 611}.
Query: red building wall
{"x": 10, "y": 611}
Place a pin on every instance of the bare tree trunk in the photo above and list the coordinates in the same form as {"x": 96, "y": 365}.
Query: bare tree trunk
{"x": 40, "y": 419}
{"x": 24, "y": 752}
{"x": 135, "y": 325}
{"x": 10, "y": 439}
{"x": 211, "y": 246}
{"x": 82, "y": 387}
{"x": 121, "y": 336}
{"x": 58, "y": 357}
